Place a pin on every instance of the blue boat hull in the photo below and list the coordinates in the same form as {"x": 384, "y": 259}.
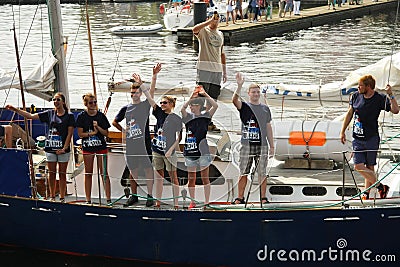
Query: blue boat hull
{"x": 218, "y": 238}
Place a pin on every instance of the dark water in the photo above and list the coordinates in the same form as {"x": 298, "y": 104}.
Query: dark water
{"x": 20, "y": 257}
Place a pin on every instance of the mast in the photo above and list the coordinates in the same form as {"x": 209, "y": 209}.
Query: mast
{"x": 57, "y": 46}
{"x": 90, "y": 48}
{"x": 21, "y": 85}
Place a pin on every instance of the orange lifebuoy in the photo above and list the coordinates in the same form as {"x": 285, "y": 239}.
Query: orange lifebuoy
{"x": 162, "y": 9}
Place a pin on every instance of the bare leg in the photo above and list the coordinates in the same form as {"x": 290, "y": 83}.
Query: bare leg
{"x": 62, "y": 174}
{"x": 192, "y": 182}
{"x": 149, "y": 180}
{"x": 159, "y": 179}
{"x": 52, "y": 178}
{"x": 104, "y": 175}
{"x": 367, "y": 172}
{"x": 263, "y": 187}
{"x": 242, "y": 185}
{"x": 88, "y": 161}
{"x": 206, "y": 182}
{"x": 175, "y": 186}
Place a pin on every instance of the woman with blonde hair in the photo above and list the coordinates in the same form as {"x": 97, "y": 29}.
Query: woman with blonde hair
{"x": 165, "y": 141}
{"x": 58, "y": 139}
{"x": 93, "y": 127}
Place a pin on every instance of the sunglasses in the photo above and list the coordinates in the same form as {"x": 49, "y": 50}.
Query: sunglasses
{"x": 195, "y": 104}
{"x": 164, "y": 102}
{"x": 135, "y": 93}
{"x": 57, "y": 99}
{"x": 92, "y": 102}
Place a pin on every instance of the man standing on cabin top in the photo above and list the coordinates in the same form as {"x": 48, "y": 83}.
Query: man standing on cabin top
{"x": 256, "y": 131}
{"x": 211, "y": 62}
{"x": 365, "y": 106}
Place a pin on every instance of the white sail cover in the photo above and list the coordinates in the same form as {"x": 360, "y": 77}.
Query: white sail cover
{"x": 39, "y": 80}
{"x": 388, "y": 67}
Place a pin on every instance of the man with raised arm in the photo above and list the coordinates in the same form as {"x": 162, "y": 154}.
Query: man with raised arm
{"x": 211, "y": 63}
{"x": 257, "y": 142}
{"x": 138, "y": 142}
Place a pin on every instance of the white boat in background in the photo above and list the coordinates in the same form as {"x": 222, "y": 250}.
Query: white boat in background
{"x": 175, "y": 17}
{"x": 136, "y": 30}
{"x": 183, "y": 16}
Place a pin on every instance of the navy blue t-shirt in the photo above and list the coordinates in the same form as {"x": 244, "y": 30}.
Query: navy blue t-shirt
{"x": 196, "y": 132}
{"x": 366, "y": 114}
{"x": 166, "y": 128}
{"x": 254, "y": 123}
{"x": 138, "y": 140}
{"x": 96, "y": 142}
{"x": 58, "y": 129}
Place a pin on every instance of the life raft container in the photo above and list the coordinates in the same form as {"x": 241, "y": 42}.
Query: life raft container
{"x": 310, "y": 139}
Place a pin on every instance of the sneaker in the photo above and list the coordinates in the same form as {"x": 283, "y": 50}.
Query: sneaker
{"x": 108, "y": 201}
{"x": 150, "y": 201}
{"x": 131, "y": 200}
{"x": 62, "y": 200}
{"x": 192, "y": 205}
{"x": 384, "y": 191}
{"x": 88, "y": 202}
{"x": 213, "y": 128}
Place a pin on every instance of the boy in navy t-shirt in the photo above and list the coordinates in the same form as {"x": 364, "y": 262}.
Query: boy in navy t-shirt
{"x": 257, "y": 138}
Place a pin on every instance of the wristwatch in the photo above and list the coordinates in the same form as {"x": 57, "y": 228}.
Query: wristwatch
{"x": 391, "y": 96}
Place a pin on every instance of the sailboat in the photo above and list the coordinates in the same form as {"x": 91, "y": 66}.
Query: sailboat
{"x": 315, "y": 214}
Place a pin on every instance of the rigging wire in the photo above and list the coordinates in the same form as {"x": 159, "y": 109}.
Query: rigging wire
{"x": 388, "y": 80}
{"x": 7, "y": 92}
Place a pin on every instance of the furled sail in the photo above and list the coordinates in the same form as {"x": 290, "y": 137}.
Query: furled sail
{"x": 387, "y": 67}
{"x": 39, "y": 82}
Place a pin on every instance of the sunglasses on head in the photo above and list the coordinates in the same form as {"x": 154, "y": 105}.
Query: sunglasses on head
{"x": 57, "y": 99}
{"x": 164, "y": 102}
{"x": 92, "y": 102}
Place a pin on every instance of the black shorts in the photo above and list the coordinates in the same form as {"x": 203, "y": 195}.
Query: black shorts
{"x": 1, "y": 131}
{"x": 211, "y": 82}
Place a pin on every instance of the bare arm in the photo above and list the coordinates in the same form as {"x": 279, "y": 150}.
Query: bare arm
{"x": 23, "y": 113}
{"x": 117, "y": 125}
{"x": 147, "y": 93}
{"x": 236, "y": 95}
{"x": 211, "y": 101}
{"x": 67, "y": 140}
{"x": 346, "y": 121}
{"x": 270, "y": 138}
{"x": 175, "y": 145}
{"x": 156, "y": 70}
{"x": 196, "y": 29}
{"x": 81, "y": 134}
{"x": 184, "y": 107}
{"x": 394, "y": 106}
{"x": 223, "y": 62}
{"x": 97, "y": 128}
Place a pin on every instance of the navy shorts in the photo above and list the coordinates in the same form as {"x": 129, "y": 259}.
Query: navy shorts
{"x": 366, "y": 151}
